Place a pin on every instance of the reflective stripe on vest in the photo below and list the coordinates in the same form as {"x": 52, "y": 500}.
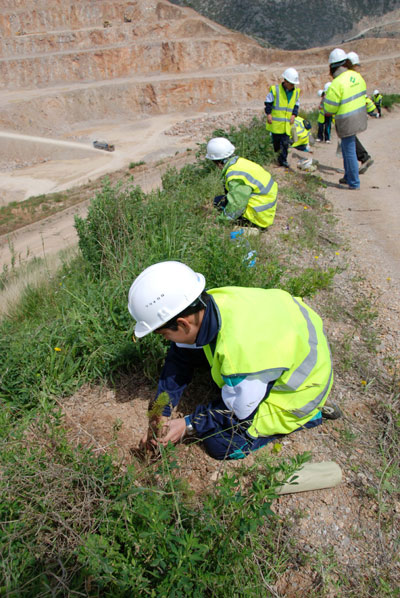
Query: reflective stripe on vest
{"x": 251, "y": 179}
{"x": 305, "y": 368}
{"x": 346, "y": 114}
{"x": 277, "y": 105}
{"x": 307, "y": 409}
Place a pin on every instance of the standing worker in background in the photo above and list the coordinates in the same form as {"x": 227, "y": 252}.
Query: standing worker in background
{"x": 250, "y": 191}
{"x": 377, "y": 99}
{"x": 345, "y": 99}
{"x": 324, "y": 121}
{"x": 266, "y": 349}
{"x": 353, "y": 63}
{"x": 281, "y": 107}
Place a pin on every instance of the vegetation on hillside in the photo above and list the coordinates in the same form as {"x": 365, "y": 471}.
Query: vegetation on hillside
{"x": 287, "y": 24}
{"x": 75, "y": 523}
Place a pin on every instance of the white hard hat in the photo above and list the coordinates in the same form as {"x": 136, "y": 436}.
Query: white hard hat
{"x": 291, "y": 75}
{"x": 320, "y": 92}
{"x": 219, "y": 148}
{"x": 376, "y": 91}
{"x": 161, "y": 292}
{"x": 327, "y": 86}
{"x": 337, "y": 55}
{"x": 353, "y": 57}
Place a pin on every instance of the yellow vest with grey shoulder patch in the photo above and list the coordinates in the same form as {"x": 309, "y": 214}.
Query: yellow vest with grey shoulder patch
{"x": 268, "y": 330}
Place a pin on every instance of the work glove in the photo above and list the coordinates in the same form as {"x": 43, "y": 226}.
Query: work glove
{"x": 220, "y": 201}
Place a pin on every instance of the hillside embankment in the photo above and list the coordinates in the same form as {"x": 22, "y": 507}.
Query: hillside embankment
{"x": 156, "y": 80}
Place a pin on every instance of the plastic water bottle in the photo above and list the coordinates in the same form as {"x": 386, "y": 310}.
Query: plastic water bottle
{"x": 237, "y": 233}
{"x": 250, "y": 258}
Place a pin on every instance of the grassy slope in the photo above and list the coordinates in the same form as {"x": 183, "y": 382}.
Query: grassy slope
{"x": 82, "y": 524}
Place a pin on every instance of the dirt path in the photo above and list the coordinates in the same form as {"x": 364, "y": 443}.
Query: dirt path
{"x": 370, "y": 219}
{"x": 372, "y": 215}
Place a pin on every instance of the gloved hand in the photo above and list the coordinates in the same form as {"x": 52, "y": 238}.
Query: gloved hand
{"x": 220, "y": 201}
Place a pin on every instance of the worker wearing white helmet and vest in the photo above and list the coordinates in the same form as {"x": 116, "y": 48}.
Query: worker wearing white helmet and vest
{"x": 250, "y": 191}
{"x": 324, "y": 120}
{"x": 345, "y": 99}
{"x": 267, "y": 352}
{"x": 281, "y": 107}
{"x": 362, "y": 154}
{"x": 377, "y": 99}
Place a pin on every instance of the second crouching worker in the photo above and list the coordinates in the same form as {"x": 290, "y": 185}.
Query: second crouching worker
{"x": 250, "y": 191}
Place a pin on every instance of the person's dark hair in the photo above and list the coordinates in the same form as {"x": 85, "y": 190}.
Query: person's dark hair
{"x": 197, "y": 305}
{"x": 336, "y": 65}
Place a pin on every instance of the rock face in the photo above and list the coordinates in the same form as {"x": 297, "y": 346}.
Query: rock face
{"x": 70, "y": 61}
{"x": 291, "y": 24}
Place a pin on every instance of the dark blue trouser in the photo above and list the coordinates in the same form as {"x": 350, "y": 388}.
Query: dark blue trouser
{"x": 281, "y": 145}
{"x": 225, "y": 436}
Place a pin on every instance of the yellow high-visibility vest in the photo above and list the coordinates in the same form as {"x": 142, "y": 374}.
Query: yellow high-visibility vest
{"x": 282, "y": 109}
{"x": 303, "y": 134}
{"x": 268, "y": 330}
{"x": 369, "y": 104}
{"x": 346, "y": 98}
{"x": 261, "y": 206}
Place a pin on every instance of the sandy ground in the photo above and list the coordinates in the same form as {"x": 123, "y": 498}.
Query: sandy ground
{"x": 370, "y": 218}
{"x": 372, "y": 215}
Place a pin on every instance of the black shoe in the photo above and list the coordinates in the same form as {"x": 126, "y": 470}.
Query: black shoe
{"x": 284, "y": 164}
{"x": 343, "y": 181}
{"x": 331, "y": 411}
{"x": 366, "y": 165}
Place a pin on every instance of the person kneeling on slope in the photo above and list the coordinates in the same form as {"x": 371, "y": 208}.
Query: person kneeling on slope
{"x": 250, "y": 191}
{"x": 267, "y": 352}
{"x": 300, "y": 134}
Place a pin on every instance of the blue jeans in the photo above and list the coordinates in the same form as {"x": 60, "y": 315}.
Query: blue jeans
{"x": 350, "y": 161}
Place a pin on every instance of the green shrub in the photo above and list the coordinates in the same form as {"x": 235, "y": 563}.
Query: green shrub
{"x": 252, "y": 142}
{"x": 390, "y": 99}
